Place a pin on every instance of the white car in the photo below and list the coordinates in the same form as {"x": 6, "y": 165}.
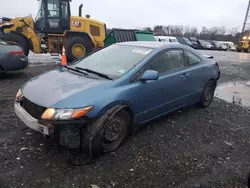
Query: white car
{"x": 223, "y": 45}
{"x": 230, "y": 45}
{"x": 168, "y": 39}
{"x": 209, "y": 45}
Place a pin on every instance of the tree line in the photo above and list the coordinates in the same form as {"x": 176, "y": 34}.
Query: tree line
{"x": 206, "y": 33}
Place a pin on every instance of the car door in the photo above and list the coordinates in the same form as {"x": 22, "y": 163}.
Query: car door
{"x": 196, "y": 76}
{"x": 155, "y": 98}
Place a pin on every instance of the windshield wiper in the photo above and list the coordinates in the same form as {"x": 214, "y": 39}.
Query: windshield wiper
{"x": 94, "y": 72}
{"x": 76, "y": 70}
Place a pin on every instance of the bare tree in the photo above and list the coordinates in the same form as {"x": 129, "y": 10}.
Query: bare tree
{"x": 187, "y": 31}
{"x": 148, "y": 29}
{"x": 194, "y": 32}
{"x": 158, "y": 30}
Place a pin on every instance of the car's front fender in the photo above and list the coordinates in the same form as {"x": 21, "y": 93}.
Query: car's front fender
{"x": 101, "y": 109}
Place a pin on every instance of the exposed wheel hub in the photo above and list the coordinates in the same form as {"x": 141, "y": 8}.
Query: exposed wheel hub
{"x": 78, "y": 50}
{"x": 112, "y": 130}
{"x": 208, "y": 95}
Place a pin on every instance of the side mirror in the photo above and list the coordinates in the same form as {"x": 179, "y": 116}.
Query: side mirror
{"x": 150, "y": 75}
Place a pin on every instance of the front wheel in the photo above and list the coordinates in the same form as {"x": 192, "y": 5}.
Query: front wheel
{"x": 107, "y": 133}
{"x": 207, "y": 94}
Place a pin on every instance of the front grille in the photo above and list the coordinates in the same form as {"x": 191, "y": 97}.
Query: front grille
{"x": 33, "y": 109}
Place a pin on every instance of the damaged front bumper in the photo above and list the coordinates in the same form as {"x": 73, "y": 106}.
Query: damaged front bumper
{"x": 69, "y": 131}
{"x": 31, "y": 122}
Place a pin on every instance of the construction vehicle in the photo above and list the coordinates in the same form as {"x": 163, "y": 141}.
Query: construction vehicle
{"x": 244, "y": 44}
{"x": 53, "y": 28}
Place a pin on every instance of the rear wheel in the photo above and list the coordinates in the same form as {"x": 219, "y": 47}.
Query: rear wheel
{"x": 1, "y": 72}
{"x": 207, "y": 94}
{"x": 77, "y": 47}
{"x": 246, "y": 50}
{"x": 107, "y": 133}
{"x": 13, "y": 38}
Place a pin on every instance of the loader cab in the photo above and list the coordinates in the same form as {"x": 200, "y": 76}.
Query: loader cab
{"x": 53, "y": 16}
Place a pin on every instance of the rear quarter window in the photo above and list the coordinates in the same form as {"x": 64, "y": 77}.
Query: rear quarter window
{"x": 192, "y": 59}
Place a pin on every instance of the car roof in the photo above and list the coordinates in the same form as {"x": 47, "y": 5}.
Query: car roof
{"x": 151, "y": 44}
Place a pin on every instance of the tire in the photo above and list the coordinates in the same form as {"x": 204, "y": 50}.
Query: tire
{"x": 1, "y": 72}
{"x": 207, "y": 94}
{"x": 17, "y": 39}
{"x": 96, "y": 138}
{"x": 246, "y": 50}
{"x": 81, "y": 41}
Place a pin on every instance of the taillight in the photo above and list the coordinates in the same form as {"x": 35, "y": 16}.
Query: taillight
{"x": 217, "y": 65}
{"x": 16, "y": 53}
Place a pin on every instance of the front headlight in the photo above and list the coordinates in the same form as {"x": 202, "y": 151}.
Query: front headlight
{"x": 19, "y": 95}
{"x": 65, "y": 114}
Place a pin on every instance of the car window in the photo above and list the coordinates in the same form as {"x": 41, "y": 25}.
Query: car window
{"x": 192, "y": 59}
{"x": 167, "y": 61}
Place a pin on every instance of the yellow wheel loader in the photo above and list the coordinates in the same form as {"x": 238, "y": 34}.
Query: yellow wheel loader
{"x": 244, "y": 44}
{"x": 53, "y": 28}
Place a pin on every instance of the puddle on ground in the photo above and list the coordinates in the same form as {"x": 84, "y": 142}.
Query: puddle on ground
{"x": 234, "y": 92}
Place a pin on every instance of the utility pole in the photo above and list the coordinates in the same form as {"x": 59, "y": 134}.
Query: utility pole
{"x": 246, "y": 24}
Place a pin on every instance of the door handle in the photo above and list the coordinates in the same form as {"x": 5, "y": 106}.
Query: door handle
{"x": 184, "y": 76}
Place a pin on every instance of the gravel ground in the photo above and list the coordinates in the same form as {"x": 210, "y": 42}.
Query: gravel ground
{"x": 190, "y": 148}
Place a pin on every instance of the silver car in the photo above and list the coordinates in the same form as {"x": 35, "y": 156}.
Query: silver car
{"x": 12, "y": 58}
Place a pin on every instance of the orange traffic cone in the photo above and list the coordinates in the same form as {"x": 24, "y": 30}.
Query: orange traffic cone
{"x": 64, "y": 58}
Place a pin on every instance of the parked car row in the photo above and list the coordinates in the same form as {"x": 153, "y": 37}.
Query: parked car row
{"x": 198, "y": 43}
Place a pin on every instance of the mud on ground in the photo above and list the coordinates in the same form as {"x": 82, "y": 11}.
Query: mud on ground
{"x": 190, "y": 148}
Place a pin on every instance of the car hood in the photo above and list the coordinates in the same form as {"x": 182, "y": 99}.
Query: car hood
{"x": 54, "y": 86}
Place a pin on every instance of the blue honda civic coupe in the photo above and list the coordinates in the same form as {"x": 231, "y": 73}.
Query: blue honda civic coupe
{"x": 98, "y": 100}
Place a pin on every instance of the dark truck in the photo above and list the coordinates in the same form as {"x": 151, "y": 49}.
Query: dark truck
{"x": 195, "y": 43}
{"x": 187, "y": 42}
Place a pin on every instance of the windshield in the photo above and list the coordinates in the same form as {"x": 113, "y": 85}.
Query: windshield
{"x": 65, "y": 9}
{"x": 53, "y": 8}
{"x": 240, "y": 43}
{"x": 40, "y": 14}
{"x": 188, "y": 41}
{"x": 115, "y": 60}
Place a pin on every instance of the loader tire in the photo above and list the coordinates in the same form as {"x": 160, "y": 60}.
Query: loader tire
{"x": 13, "y": 38}
{"x": 77, "y": 47}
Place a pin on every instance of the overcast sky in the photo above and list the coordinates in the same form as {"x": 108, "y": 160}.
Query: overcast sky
{"x": 142, "y": 13}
